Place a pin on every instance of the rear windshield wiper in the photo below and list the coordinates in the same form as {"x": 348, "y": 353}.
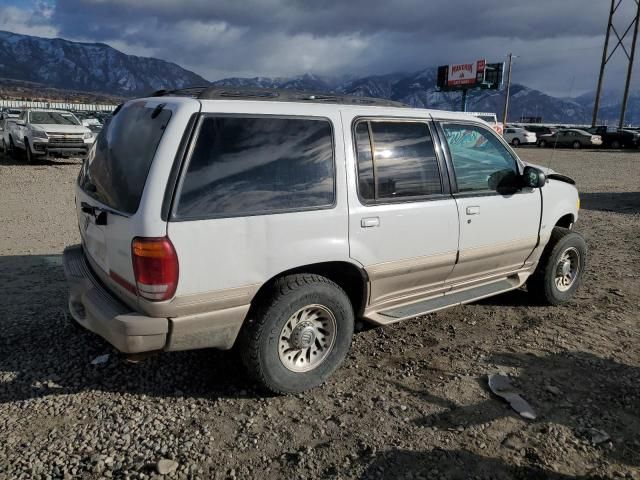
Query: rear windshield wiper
{"x": 99, "y": 213}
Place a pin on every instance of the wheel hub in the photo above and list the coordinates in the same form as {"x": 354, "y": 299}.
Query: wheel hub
{"x": 307, "y": 338}
{"x": 303, "y": 335}
{"x": 567, "y": 269}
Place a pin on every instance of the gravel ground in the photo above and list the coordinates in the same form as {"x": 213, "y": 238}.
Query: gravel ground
{"x": 411, "y": 400}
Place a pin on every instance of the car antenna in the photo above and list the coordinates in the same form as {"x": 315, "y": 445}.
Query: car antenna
{"x": 555, "y": 143}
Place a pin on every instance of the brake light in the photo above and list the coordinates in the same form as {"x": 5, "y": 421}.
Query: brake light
{"x": 155, "y": 265}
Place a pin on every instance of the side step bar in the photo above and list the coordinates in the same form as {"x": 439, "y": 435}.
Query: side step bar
{"x": 446, "y": 300}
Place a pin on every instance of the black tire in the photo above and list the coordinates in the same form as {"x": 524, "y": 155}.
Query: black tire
{"x": 261, "y": 335}
{"x": 27, "y": 152}
{"x": 542, "y": 284}
{"x": 13, "y": 153}
{"x": 515, "y": 142}
{"x": 615, "y": 144}
{"x": 576, "y": 145}
{"x": 542, "y": 143}
{"x": 5, "y": 148}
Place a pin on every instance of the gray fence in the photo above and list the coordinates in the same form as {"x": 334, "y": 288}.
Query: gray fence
{"x": 78, "y": 107}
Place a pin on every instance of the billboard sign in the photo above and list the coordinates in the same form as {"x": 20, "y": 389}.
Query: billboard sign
{"x": 466, "y": 74}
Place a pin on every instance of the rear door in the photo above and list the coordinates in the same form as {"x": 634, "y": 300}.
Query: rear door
{"x": 403, "y": 221}
{"x": 498, "y": 224}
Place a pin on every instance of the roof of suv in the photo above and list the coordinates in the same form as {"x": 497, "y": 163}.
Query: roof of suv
{"x": 275, "y": 95}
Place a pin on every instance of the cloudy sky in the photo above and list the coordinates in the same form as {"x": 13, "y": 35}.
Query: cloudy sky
{"x": 558, "y": 43}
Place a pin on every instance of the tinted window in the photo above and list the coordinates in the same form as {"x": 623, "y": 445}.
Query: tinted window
{"x": 480, "y": 160}
{"x": 404, "y": 157}
{"x": 117, "y": 167}
{"x": 365, "y": 162}
{"x": 249, "y": 166}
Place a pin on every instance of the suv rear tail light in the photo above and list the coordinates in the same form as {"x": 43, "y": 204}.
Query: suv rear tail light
{"x": 155, "y": 265}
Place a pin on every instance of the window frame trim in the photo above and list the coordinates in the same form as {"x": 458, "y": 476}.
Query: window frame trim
{"x": 450, "y": 166}
{"x": 202, "y": 116}
{"x": 440, "y": 161}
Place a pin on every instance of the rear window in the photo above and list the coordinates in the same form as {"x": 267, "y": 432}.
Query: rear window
{"x": 117, "y": 167}
{"x": 258, "y": 165}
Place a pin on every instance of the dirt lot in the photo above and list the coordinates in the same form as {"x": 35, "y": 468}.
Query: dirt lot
{"x": 410, "y": 402}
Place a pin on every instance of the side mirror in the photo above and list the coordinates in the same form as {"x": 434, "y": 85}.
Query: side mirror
{"x": 533, "y": 177}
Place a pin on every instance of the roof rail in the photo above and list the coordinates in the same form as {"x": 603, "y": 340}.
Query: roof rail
{"x": 274, "y": 94}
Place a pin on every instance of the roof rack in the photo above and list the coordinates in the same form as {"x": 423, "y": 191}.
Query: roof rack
{"x": 274, "y": 94}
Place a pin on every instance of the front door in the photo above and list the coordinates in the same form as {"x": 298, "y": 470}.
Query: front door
{"x": 403, "y": 221}
{"x": 498, "y": 224}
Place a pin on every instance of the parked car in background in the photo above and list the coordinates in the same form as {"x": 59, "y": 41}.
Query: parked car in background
{"x": 12, "y": 113}
{"x": 612, "y": 137}
{"x": 273, "y": 222}
{"x": 571, "y": 137}
{"x": 519, "y": 136}
{"x": 49, "y": 133}
{"x": 5, "y": 125}
{"x": 490, "y": 118}
{"x": 539, "y": 130}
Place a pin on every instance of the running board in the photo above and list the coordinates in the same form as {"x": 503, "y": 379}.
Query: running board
{"x": 445, "y": 300}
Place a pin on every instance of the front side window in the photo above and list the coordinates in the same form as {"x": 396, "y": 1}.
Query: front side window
{"x": 258, "y": 165}
{"x": 481, "y": 162}
{"x": 396, "y": 160}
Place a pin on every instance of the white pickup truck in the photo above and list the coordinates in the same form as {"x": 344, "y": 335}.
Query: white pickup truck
{"x": 48, "y": 133}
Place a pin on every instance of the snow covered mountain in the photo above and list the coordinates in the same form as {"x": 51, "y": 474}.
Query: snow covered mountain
{"x": 418, "y": 89}
{"x": 96, "y": 67}
{"x": 91, "y": 67}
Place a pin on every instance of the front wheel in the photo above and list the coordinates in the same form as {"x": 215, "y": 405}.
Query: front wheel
{"x": 299, "y": 334}
{"x": 560, "y": 269}
{"x": 615, "y": 144}
{"x": 515, "y": 142}
{"x": 542, "y": 143}
{"x": 577, "y": 145}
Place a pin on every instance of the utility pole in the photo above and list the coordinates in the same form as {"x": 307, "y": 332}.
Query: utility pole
{"x": 464, "y": 99}
{"x": 506, "y": 93}
{"x": 606, "y": 57}
{"x": 625, "y": 96}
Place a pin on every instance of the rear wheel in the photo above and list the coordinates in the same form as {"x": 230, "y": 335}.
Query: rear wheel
{"x": 542, "y": 143}
{"x": 299, "y": 334}
{"x": 13, "y": 153}
{"x": 616, "y": 144}
{"x": 515, "y": 142}
{"x": 576, "y": 145}
{"x": 560, "y": 269}
{"x": 27, "y": 149}
{"x": 5, "y": 148}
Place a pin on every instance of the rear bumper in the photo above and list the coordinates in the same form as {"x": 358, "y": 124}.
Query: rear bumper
{"x": 94, "y": 307}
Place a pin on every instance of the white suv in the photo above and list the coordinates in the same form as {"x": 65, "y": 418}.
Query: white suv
{"x": 273, "y": 220}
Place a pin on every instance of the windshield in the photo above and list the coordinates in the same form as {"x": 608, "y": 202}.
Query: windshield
{"x": 53, "y": 118}
{"x": 117, "y": 166}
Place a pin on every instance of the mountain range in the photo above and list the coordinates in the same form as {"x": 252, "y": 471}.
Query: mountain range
{"x": 97, "y": 67}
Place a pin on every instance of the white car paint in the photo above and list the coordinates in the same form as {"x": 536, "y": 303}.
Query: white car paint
{"x": 519, "y": 136}
{"x": 223, "y": 254}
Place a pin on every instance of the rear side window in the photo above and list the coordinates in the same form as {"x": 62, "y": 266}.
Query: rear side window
{"x": 117, "y": 167}
{"x": 403, "y": 164}
{"x": 258, "y": 165}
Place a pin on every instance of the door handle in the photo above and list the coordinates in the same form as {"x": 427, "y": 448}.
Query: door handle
{"x": 370, "y": 222}
{"x": 473, "y": 210}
